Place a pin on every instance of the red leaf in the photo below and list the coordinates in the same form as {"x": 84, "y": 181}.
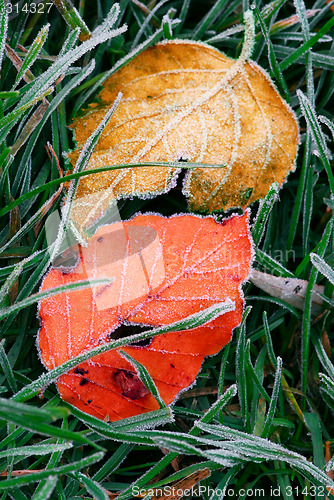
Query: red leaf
{"x": 164, "y": 270}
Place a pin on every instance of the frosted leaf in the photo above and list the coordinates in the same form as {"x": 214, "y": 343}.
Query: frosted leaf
{"x": 164, "y": 270}
{"x": 291, "y": 290}
{"x": 183, "y": 97}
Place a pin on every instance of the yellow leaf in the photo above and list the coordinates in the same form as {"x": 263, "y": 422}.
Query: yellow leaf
{"x": 185, "y": 100}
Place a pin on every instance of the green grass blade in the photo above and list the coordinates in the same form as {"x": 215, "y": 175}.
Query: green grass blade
{"x": 268, "y": 450}
{"x": 4, "y": 180}
{"x": 146, "y": 420}
{"x": 253, "y": 373}
{"x": 273, "y": 401}
{"x": 222, "y": 370}
{"x": 270, "y": 346}
{"x": 314, "y": 424}
{"x": 9, "y": 94}
{"x": 146, "y": 23}
{"x": 4, "y": 290}
{"x": 306, "y": 324}
{"x": 319, "y": 60}
{"x": 182, "y": 16}
{"x": 314, "y": 475}
{"x": 300, "y": 190}
{"x": 6, "y": 367}
{"x": 53, "y": 105}
{"x": 317, "y": 134}
{"x": 296, "y": 54}
{"x": 145, "y": 377}
{"x": 57, "y": 471}
{"x": 39, "y": 427}
{"x": 60, "y": 66}
{"x": 73, "y": 18}
{"x": 185, "y": 472}
{"x": 164, "y": 462}
{"x": 223, "y": 483}
{"x": 70, "y": 42}
{"x": 40, "y": 414}
{"x": 208, "y": 19}
{"x": 330, "y": 125}
{"x": 322, "y": 355}
{"x": 47, "y": 186}
{"x": 92, "y": 487}
{"x": 30, "y": 284}
{"x": 27, "y": 264}
{"x": 327, "y": 387}
{"x": 32, "y": 54}
{"x": 272, "y": 265}
{"x": 180, "y": 446}
{"x": 46, "y": 485}
{"x": 8, "y": 122}
{"x": 80, "y": 165}
{"x": 302, "y": 15}
{"x": 142, "y": 421}
{"x": 80, "y": 285}
{"x": 47, "y": 488}
{"x": 27, "y": 130}
{"x": 311, "y": 181}
{"x": 109, "y": 22}
{"x": 269, "y": 10}
{"x": 166, "y": 24}
{"x": 322, "y": 267}
{"x": 241, "y": 368}
{"x": 125, "y": 430}
{"x": 3, "y": 28}
{"x": 265, "y": 207}
{"x": 275, "y": 68}
{"x": 113, "y": 462}
{"x": 37, "y": 449}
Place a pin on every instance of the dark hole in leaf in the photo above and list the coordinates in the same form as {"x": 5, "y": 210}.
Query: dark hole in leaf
{"x": 128, "y": 330}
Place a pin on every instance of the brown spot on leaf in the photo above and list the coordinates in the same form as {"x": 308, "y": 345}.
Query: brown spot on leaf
{"x": 131, "y": 385}
{"x": 80, "y": 371}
